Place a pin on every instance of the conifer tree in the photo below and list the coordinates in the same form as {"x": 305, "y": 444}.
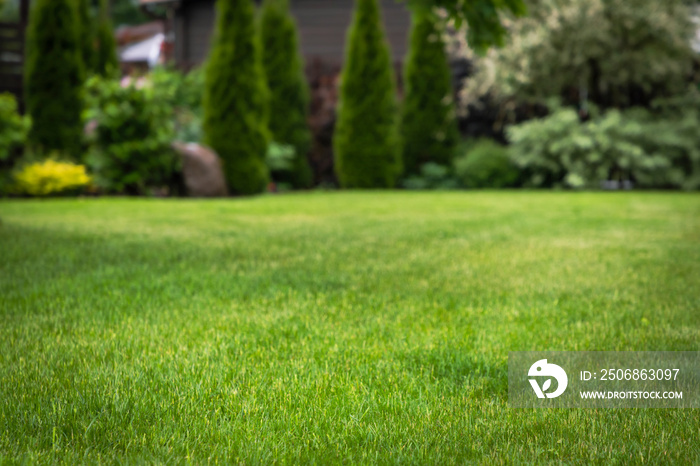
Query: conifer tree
{"x": 87, "y": 34}
{"x": 289, "y": 92}
{"x": 105, "y": 62}
{"x": 236, "y": 98}
{"x": 366, "y": 140}
{"x": 429, "y": 126}
{"x": 54, "y": 75}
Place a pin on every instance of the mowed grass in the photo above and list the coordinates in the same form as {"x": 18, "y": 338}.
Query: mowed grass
{"x": 335, "y": 327}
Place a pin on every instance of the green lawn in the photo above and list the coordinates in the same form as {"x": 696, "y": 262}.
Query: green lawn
{"x": 335, "y": 327}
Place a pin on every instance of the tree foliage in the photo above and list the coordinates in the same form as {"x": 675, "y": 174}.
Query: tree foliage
{"x": 127, "y": 12}
{"x": 284, "y": 71}
{"x": 54, "y": 76}
{"x": 236, "y": 98}
{"x": 615, "y": 53}
{"x": 87, "y": 34}
{"x": 486, "y": 27}
{"x": 428, "y": 126}
{"x": 105, "y": 61}
{"x": 366, "y": 142}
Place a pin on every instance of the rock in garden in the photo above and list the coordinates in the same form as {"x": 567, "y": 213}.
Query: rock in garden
{"x": 201, "y": 169}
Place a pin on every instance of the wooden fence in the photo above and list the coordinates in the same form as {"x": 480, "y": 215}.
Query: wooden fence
{"x": 12, "y": 54}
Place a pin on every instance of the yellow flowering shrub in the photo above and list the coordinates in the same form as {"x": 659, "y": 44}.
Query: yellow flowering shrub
{"x": 50, "y": 177}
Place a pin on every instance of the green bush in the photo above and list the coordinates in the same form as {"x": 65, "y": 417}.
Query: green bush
{"x": 236, "y": 99}
{"x": 131, "y": 138}
{"x": 289, "y": 104}
{"x": 429, "y": 126}
{"x": 281, "y": 162}
{"x": 280, "y": 157}
{"x": 188, "y": 123}
{"x": 486, "y": 164}
{"x": 651, "y": 150}
{"x": 191, "y": 93}
{"x": 671, "y": 141}
{"x": 13, "y": 135}
{"x": 183, "y": 93}
{"x": 54, "y": 75}
{"x": 366, "y": 140}
{"x": 431, "y": 176}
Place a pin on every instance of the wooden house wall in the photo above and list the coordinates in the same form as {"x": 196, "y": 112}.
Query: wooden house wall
{"x": 322, "y": 29}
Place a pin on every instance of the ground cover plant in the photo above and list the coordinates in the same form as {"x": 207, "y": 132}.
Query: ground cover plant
{"x": 335, "y": 327}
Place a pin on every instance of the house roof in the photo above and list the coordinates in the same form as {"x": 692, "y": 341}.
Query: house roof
{"x": 146, "y": 51}
{"x": 130, "y": 34}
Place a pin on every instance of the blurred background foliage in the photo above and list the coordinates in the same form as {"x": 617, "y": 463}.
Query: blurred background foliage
{"x": 581, "y": 94}
{"x": 130, "y": 137}
{"x": 289, "y": 90}
{"x": 613, "y": 53}
{"x": 366, "y": 139}
{"x": 236, "y": 105}
{"x": 428, "y": 118}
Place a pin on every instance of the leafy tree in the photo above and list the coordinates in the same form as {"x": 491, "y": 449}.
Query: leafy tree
{"x": 236, "y": 98}
{"x": 614, "y": 53}
{"x": 483, "y": 17}
{"x": 127, "y": 12}
{"x": 106, "y": 62}
{"x": 288, "y": 88}
{"x": 366, "y": 140}
{"x": 429, "y": 127}
{"x": 54, "y": 76}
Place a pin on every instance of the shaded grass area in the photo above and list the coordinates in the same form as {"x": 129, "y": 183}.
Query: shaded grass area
{"x": 335, "y": 327}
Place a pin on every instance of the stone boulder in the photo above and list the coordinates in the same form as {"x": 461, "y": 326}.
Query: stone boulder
{"x": 201, "y": 170}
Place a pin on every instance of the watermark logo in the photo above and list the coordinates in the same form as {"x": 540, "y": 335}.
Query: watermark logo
{"x": 543, "y": 369}
{"x": 604, "y": 379}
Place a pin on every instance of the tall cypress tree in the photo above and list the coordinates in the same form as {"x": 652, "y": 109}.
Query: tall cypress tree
{"x": 236, "y": 98}
{"x": 429, "y": 126}
{"x": 87, "y": 34}
{"x": 289, "y": 91}
{"x": 105, "y": 61}
{"x": 54, "y": 77}
{"x": 366, "y": 141}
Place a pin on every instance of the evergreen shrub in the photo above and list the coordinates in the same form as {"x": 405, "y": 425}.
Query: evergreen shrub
{"x": 429, "y": 126}
{"x": 289, "y": 92}
{"x": 366, "y": 140}
{"x": 236, "y": 99}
